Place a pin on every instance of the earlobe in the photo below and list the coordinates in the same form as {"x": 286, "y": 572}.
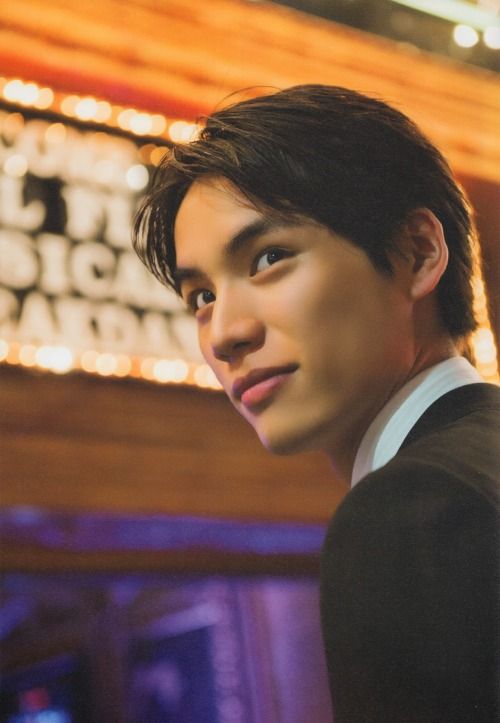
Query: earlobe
{"x": 426, "y": 252}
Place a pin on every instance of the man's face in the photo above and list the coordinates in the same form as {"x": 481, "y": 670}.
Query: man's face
{"x": 307, "y": 338}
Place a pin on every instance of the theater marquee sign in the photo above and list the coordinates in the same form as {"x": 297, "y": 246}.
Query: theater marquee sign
{"x": 73, "y": 295}
{"x": 68, "y": 274}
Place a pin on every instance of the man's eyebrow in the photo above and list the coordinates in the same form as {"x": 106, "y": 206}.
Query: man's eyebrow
{"x": 236, "y": 243}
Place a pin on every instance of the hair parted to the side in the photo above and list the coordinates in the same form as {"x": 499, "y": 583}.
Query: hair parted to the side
{"x": 346, "y": 160}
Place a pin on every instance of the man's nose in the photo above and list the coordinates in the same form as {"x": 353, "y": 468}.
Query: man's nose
{"x": 234, "y": 330}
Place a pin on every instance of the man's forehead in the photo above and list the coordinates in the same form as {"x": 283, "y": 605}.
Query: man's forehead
{"x": 213, "y": 194}
{"x": 211, "y": 216}
{"x": 215, "y": 205}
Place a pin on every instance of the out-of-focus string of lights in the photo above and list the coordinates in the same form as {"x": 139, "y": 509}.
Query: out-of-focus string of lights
{"x": 481, "y": 16}
{"x": 62, "y": 359}
{"x": 473, "y": 22}
{"x": 89, "y": 109}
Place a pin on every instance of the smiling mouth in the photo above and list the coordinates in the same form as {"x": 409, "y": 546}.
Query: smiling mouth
{"x": 259, "y": 385}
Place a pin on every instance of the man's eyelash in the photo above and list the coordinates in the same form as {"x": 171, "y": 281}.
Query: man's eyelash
{"x": 191, "y": 300}
{"x": 284, "y": 253}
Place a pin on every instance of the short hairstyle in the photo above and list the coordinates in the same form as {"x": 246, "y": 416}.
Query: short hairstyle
{"x": 343, "y": 159}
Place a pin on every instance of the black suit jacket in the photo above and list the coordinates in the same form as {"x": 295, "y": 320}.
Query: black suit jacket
{"x": 409, "y": 574}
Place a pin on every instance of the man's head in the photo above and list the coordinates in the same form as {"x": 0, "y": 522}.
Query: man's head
{"x": 306, "y": 230}
{"x": 345, "y": 160}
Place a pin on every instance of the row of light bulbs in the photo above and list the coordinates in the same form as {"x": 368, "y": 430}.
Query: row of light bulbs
{"x": 61, "y": 359}
{"x": 467, "y": 37}
{"x": 95, "y": 110}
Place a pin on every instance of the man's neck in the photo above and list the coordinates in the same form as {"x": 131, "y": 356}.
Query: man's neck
{"x": 342, "y": 458}
{"x": 390, "y": 427}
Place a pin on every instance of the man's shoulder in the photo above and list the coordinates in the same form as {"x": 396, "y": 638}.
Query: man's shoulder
{"x": 419, "y": 500}
{"x": 470, "y": 409}
{"x": 455, "y": 445}
{"x": 449, "y": 461}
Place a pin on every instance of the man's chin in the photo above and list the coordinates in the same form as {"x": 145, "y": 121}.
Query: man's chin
{"x": 284, "y": 444}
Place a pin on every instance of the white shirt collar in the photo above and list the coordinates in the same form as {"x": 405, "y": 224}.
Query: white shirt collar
{"x": 388, "y": 430}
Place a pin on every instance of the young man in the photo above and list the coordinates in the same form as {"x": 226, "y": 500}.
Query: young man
{"x": 325, "y": 251}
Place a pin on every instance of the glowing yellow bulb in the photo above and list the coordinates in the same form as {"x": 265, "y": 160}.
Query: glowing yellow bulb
{"x": 88, "y": 361}
{"x": 27, "y": 355}
{"x": 45, "y": 99}
{"x": 141, "y": 124}
{"x": 103, "y": 111}
{"x": 106, "y": 364}
{"x": 147, "y": 366}
{"x": 68, "y": 105}
{"x": 12, "y": 90}
{"x": 4, "y": 349}
{"x": 491, "y": 37}
{"x": 86, "y": 108}
{"x": 137, "y": 177}
{"x": 204, "y": 377}
{"x": 159, "y": 125}
{"x": 123, "y": 365}
{"x": 16, "y": 91}
{"x": 125, "y": 117}
{"x": 158, "y": 155}
{"x": 58, "y": 359}
{"x": 182, "y": 132}
{"x": 170, "y": 370}
{"x": 465, "y": 36}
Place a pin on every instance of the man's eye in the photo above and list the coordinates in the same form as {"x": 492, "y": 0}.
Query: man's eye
{"x": 198, "y": 299}
{"x": 268, "y": 258}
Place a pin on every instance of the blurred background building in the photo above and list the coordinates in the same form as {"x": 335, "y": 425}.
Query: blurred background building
{"x": 157, "y": 564}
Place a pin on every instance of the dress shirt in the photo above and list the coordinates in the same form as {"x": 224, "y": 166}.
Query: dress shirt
{"x": 390, "y": 427}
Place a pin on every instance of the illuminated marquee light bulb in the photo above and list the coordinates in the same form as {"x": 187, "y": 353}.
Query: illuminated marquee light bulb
{"x": 123, "y": 365}
{"x": 45, "y": 99}
{"x": 183, "y": 132}
{"x": 29, "y": 94}
{"x": 491, "y": 37}
{"x": 170, "y": 370}
{"x": 12, "y": 90}
{"x": 137, "y": 177}
{"x": 147, "y": 367}
{"x": 125, "y": 117}
{"x": 158, "y": 154}
{"x": 27, "y": 355}
{"x": 4, "y": 349}
{"x": 141, "y": 124}
{"x": 465, "y": 36}
{"x": 204, "y": 377}
{"x": 159, "y": 124}
{"x": 106, "y": 364}
{"x": 103, "y": 112}
{"x": 88, "y": 361}
{"x": 68, "y": 105}
{"x": 58, "y": 359}
{"x": 86, "y": 108}
{"x": 484, "y": 345}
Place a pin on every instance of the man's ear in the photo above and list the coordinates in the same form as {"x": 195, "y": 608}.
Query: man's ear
{"x": 425, "y": 250}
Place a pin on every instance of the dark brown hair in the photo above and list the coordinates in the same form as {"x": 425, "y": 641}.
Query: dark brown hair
{"x": 346, "y": 160}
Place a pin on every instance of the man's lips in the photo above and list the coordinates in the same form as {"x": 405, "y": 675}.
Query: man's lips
{"x": 260, "y": 382}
